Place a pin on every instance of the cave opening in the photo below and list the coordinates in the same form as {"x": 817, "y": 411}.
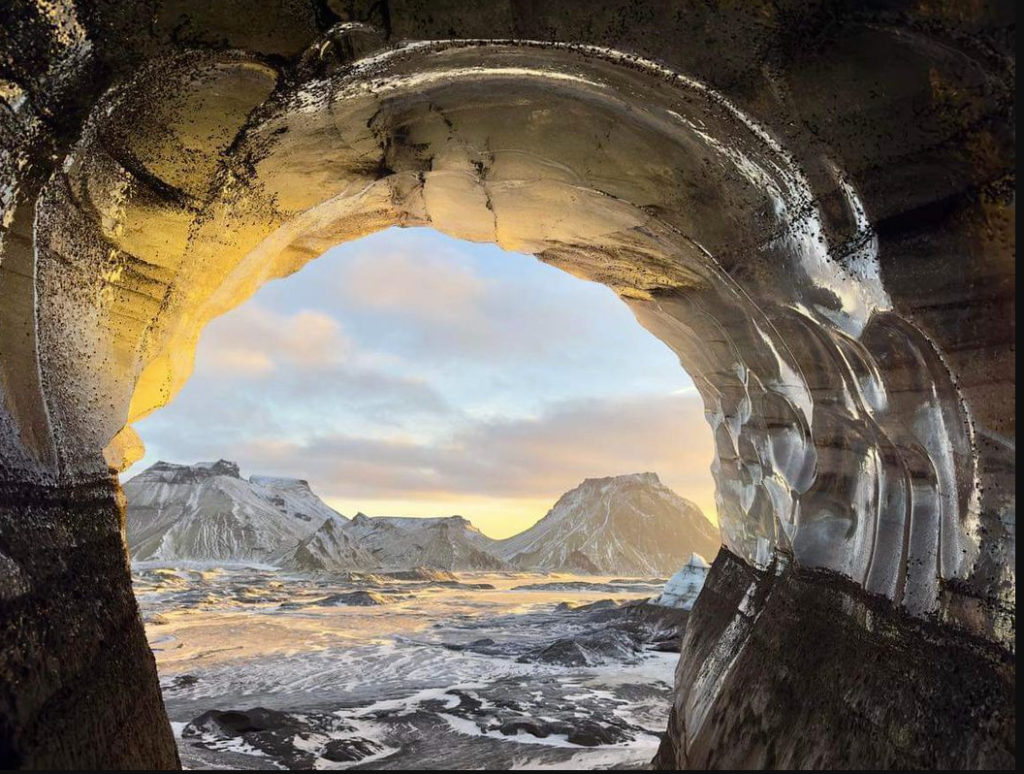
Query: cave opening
{"x": 408, "y": 372}
{"x": 864, "y": 478}
{"x": 409, "y": 375}
{"x": 838, "y": 435}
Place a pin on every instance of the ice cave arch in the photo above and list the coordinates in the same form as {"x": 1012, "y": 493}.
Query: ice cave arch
{"x": 607, "y": 166}
{"x": 850, "y": 438}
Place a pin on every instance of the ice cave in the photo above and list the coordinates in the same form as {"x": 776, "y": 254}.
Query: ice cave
{"x": 811, "y": 203}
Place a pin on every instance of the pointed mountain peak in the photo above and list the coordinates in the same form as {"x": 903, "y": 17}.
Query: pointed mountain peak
{"x": 630, "y": 524}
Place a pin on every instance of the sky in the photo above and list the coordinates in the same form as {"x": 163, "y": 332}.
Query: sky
{"x": 412, "y": 374}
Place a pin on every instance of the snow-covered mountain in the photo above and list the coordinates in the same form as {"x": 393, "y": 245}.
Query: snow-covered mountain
{"x": 630, "y": 524}
{"x": 395, "y": 543}
{"x": 332, "y": 548}
{"x": 208, "y": 512}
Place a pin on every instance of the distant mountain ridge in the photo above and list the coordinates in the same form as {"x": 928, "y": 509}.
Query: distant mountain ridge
{"x": 396, "y": 543}
{"x": 207, "y": 512}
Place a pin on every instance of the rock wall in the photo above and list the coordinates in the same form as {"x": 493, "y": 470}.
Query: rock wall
{"x": 78, "y": 683}
{"x": 813, "y": 204}
{"x": 794, "y": 668}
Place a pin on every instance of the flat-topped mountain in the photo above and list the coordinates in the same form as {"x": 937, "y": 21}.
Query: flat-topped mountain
{"x": 208, "y": 512}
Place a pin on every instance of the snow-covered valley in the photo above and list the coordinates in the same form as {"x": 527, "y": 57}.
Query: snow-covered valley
{"x": 290, "y": 636}
{"x": 265, "y": 668}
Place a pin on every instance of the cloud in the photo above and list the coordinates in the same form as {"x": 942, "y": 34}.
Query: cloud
{"x": 536, "y": 457}
{"x": 426, "y": 285}
{"x": 213, "y": 417}
{"x": 430, "y": 300}
{"x": 255, "y": 341}
{"x": 261, "y": 374}
{"x": 377, "y": 395}
{"x": 299, "y": 363}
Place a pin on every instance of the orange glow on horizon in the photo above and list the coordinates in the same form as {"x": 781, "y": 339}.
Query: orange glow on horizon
{"x": 496, "y": 517}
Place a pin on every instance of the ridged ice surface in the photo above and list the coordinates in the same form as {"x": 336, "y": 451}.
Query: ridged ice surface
{"x": 840, "y": 433}
{"x": 683, "y": 588}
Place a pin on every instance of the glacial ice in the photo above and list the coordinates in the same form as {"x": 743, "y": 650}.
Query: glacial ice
{"x": 815, "y": 210}
{"x": 682, "y": 589}
{"x": 841, "y": 435}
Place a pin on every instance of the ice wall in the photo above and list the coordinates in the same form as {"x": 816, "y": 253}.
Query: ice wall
{"x": 813, "y": 204}
{"x": 841, "y": 437}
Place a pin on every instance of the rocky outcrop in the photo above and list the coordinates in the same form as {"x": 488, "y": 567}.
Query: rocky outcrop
{"x": 292, "y": 741}
{"x": 361, "y": 598}
{"x": 630, "y": 524}
{"x": 609, "y": 646}
{"x": 332, "y": 548}
{"x": 794, "y": 668}
{"x": 812, "y": 203}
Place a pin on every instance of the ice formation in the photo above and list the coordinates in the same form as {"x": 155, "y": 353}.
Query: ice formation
{"x": 840, "y": 433}
{"x": 814, "y": 208}
{"x": 684, "y": 587}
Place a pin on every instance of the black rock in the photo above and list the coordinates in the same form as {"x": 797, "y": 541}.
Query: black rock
{"x": 290, "y": 740}
{"x": 531, "y": 727}
{"x": 357, "y": 599}
{"x": 588, "y": 733}
{"x": 354, "y": 749}
{"x": 184, "y": 681}
{"x": 232, "y": 723}
{"x": 591, "y": 649}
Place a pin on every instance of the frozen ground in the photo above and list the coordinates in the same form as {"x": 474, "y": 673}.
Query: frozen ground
{"x": 496, "y": 671}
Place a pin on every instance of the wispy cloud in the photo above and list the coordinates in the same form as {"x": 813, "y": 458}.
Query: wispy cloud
{"x": 428, "y": 286}
{"x": 427, "y": 297}
{"x": 533, "y": 457}
{"x": 257, "y": 341}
